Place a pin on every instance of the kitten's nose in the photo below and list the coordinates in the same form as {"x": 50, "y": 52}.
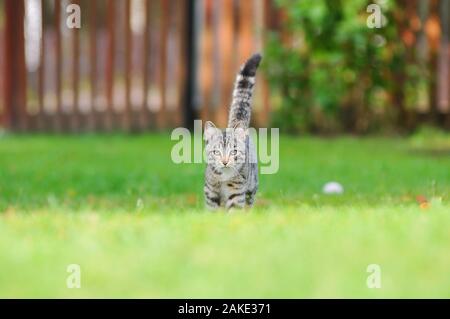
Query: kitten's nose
{"x": 225, "y": 161}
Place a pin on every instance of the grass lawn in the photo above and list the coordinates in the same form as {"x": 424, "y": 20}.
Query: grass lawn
{"x": 135, "y": 222}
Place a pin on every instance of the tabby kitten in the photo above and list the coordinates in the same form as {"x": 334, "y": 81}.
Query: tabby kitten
{"x": 231, "y": 177}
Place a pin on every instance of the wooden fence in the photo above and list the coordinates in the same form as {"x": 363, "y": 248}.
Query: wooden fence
{"x": 133, "y": 64}
{"x": 112, "y": 73}
{"x": 137, "y": 65}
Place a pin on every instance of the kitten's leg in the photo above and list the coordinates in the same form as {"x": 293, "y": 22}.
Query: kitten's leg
{"x": 250, "y": 198}
{"x": 212, "y": 196}
{"x": 253, "y": 186}
{"x": 236, "y": 199}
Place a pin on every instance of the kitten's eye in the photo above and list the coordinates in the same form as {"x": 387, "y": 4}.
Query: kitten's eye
{"x": 233, "y": 152}
{"x": 216, "y": 152}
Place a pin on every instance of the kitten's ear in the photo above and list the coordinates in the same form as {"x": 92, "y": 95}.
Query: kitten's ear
{"x": 210, "y": 130}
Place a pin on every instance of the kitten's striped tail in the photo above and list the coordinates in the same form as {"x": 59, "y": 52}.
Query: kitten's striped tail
{"x": 240, "y": 110}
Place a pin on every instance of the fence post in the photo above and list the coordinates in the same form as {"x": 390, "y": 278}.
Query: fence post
{"x": 190, "y": 112}
{"x": 162, "y": 76}
{"x": 15, "y": 71}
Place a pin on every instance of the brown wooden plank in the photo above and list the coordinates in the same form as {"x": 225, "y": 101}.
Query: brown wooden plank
{"x": 22, "y": 71}
{"x": 268, "y": 25}
{"x": 8, "y": 72}
{"x": 145, "y": 114}
{"x": 128, "y": 49}
{"x": 15, "y": 69}
{"x": 182, "y": 61}
{"x": 41, "y": 74}
{"x": 58, "y": 125}
{"x": 93, "y": 63}
{"x": 246, "y": 45}
{"x": 162, "y": 114}
{"x": 110, "y": 70}
{"x": 226, "y": 56}
{"x": 76, "y": 115}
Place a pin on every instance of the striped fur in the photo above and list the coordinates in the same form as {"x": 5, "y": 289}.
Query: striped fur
{"x": 240, "y": 110}
{"x": 231, "y": 177}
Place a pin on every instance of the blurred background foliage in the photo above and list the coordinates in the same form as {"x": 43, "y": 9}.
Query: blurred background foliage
{"x": 335, "y": 74}
{"x": 147, "y": 65}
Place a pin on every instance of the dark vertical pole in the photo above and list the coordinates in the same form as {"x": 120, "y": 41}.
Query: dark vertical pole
{"x": 15, "y": 69}
{"x": 216, "y": 61}
{"x": 206, "y": 67}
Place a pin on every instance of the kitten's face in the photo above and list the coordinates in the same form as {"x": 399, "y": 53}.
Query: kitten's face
{"x": 225, "y": 150}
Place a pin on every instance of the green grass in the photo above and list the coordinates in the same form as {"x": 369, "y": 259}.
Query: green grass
{"x": 135, "y": 222}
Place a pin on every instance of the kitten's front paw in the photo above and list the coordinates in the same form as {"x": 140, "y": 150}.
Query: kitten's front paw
{"x": 212, "y": 208}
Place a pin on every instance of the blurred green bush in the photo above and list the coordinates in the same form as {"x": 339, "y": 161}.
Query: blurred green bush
{"x": 332, "y": 73}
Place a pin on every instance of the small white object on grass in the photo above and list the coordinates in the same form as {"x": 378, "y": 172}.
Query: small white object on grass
{"x": 332, "y": 188}
{"x": 139, "y": 204}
